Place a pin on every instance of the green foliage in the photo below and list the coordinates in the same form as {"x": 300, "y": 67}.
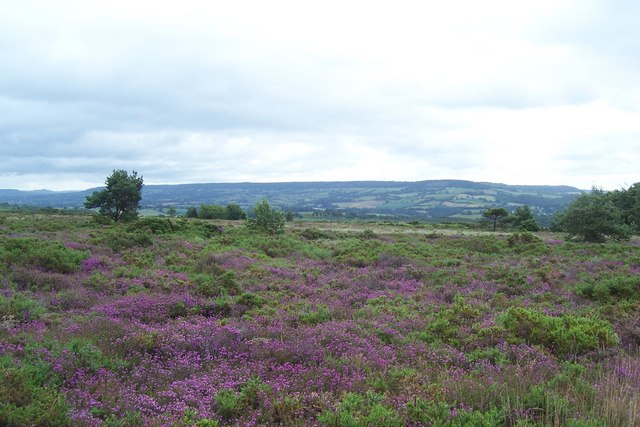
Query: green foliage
{"x": 20, "y": 308}
{"x": 210, "y": 285}
{"x": 565, "y": 335}
{"x": 120, "y": 200}
{"x": 49, "y": 255}
{"x": 212, "y": 212}
{"x": 229, "y": 403}
{"x": 191, "y": 212}
{"x": 27, "y": 397}
{"x": 592, "y": 217}
{"x": 128, "y": 419}
{"x": 267, "y": 219}
{"x": 321, "y": 314}
{"x": 611, "y": 287}
{"x": 356, "y": 410}
{"x": 495, "y": 215}
{"x": 206, "y": 422}
{"x": 628, "y": 202}
{"x": 447, "y": 324}
{"x": 234, "y": 212}
{"x": 250, "y": 299}
{"x": 524, "y": 219}
{"x": 526, "y": 242}
{"x": 316, "y": 234}
{"x": 119, "y": 239}
{"x": 441, "y": 414}
{"x": 231, "y": 212}
{"x": 157, "y": 225}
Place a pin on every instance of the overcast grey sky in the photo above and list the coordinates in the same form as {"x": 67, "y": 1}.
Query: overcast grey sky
{"x": 519, "y": 92}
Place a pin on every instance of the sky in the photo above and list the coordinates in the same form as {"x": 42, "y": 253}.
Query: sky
{"x": 543, "y": 92}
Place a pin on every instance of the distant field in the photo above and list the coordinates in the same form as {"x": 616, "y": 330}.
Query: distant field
{"x": 438, "y": 199}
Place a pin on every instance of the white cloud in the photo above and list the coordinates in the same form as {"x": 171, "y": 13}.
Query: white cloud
{"x": 542, "y": 92}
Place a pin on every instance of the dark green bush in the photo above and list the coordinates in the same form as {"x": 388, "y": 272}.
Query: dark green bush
{"x": 613, "y": 287}
{"x": 250, "y": 299}
{"x": 156, "y": 225}
{"x": 315, "y": 234}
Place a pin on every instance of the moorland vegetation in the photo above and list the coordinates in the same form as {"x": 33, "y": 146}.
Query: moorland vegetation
{"x": 183, "y": 321}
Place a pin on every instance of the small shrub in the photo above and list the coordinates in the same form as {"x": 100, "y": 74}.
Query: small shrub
{"x": 356, "y": 410}
{"x": 21, "y": 308}
{"x": 565, "y": 335}
{"x": 614, "y": 287}
{"x": 156, "y": 225}
{"x": 250, "y": 299}
{"x": 314, "y": 317}
{"x": 315, "y": 234}
{"x": 267, "y": 219}
{"x": 215, "y": 285}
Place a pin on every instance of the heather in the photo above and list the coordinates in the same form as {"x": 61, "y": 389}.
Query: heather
{"x": 211, "y": 323}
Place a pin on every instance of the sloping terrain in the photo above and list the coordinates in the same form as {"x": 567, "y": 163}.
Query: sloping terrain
{"x": 448, "y": 199}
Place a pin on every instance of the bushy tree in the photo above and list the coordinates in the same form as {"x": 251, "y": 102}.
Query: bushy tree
{"x": 495, "y": 214}
{"x": 120, "y": 200}
{"x": 192, "y": 212}
{"x": 592, "y": 217}
{"x": 267, "y": 219}
{"x": 524, "y": 220}
{"x": 628, "y": 202}
{"x": 212, "y": 212}
{"x": 235, "y": 212}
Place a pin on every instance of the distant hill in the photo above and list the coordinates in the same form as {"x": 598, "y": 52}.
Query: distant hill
{"x": 436, "y": 199}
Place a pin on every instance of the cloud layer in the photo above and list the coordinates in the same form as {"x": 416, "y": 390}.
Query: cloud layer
{"x": 544, "y": 93}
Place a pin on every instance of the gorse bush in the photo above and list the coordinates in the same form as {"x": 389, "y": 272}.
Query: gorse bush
{"x": 356, "y": 410}
{"x": 49, "y": 255}
{"x": 565, "y": 335}
{"x": 610, "y": 287}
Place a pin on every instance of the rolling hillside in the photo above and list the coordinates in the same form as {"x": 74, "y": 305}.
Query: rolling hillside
{"x": 436, "y": 199}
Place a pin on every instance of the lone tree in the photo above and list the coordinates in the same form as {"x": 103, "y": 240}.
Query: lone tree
{"x": 120, "y": 200}
{"x": 267, "y": 219}
{"x": 495, "y": 214}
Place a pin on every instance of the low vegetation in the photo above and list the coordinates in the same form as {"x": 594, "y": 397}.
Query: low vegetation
{"x": 191, "y": 322}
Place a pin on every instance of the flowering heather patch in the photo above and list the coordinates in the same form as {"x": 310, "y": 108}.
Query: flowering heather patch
{"x": 131, "y": 325}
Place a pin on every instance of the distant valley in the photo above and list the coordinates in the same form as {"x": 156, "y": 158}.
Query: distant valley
{"x": 434, "y": 200}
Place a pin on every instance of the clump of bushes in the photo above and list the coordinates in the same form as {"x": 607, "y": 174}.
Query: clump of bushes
{"x": 49, "y": 255}
{"x": 613, "y": 287}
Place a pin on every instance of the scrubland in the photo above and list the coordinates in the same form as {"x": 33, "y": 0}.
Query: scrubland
{"x": 188, "y": 322}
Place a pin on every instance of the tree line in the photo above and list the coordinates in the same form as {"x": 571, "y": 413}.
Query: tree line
{"x": 593, "y": 217}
